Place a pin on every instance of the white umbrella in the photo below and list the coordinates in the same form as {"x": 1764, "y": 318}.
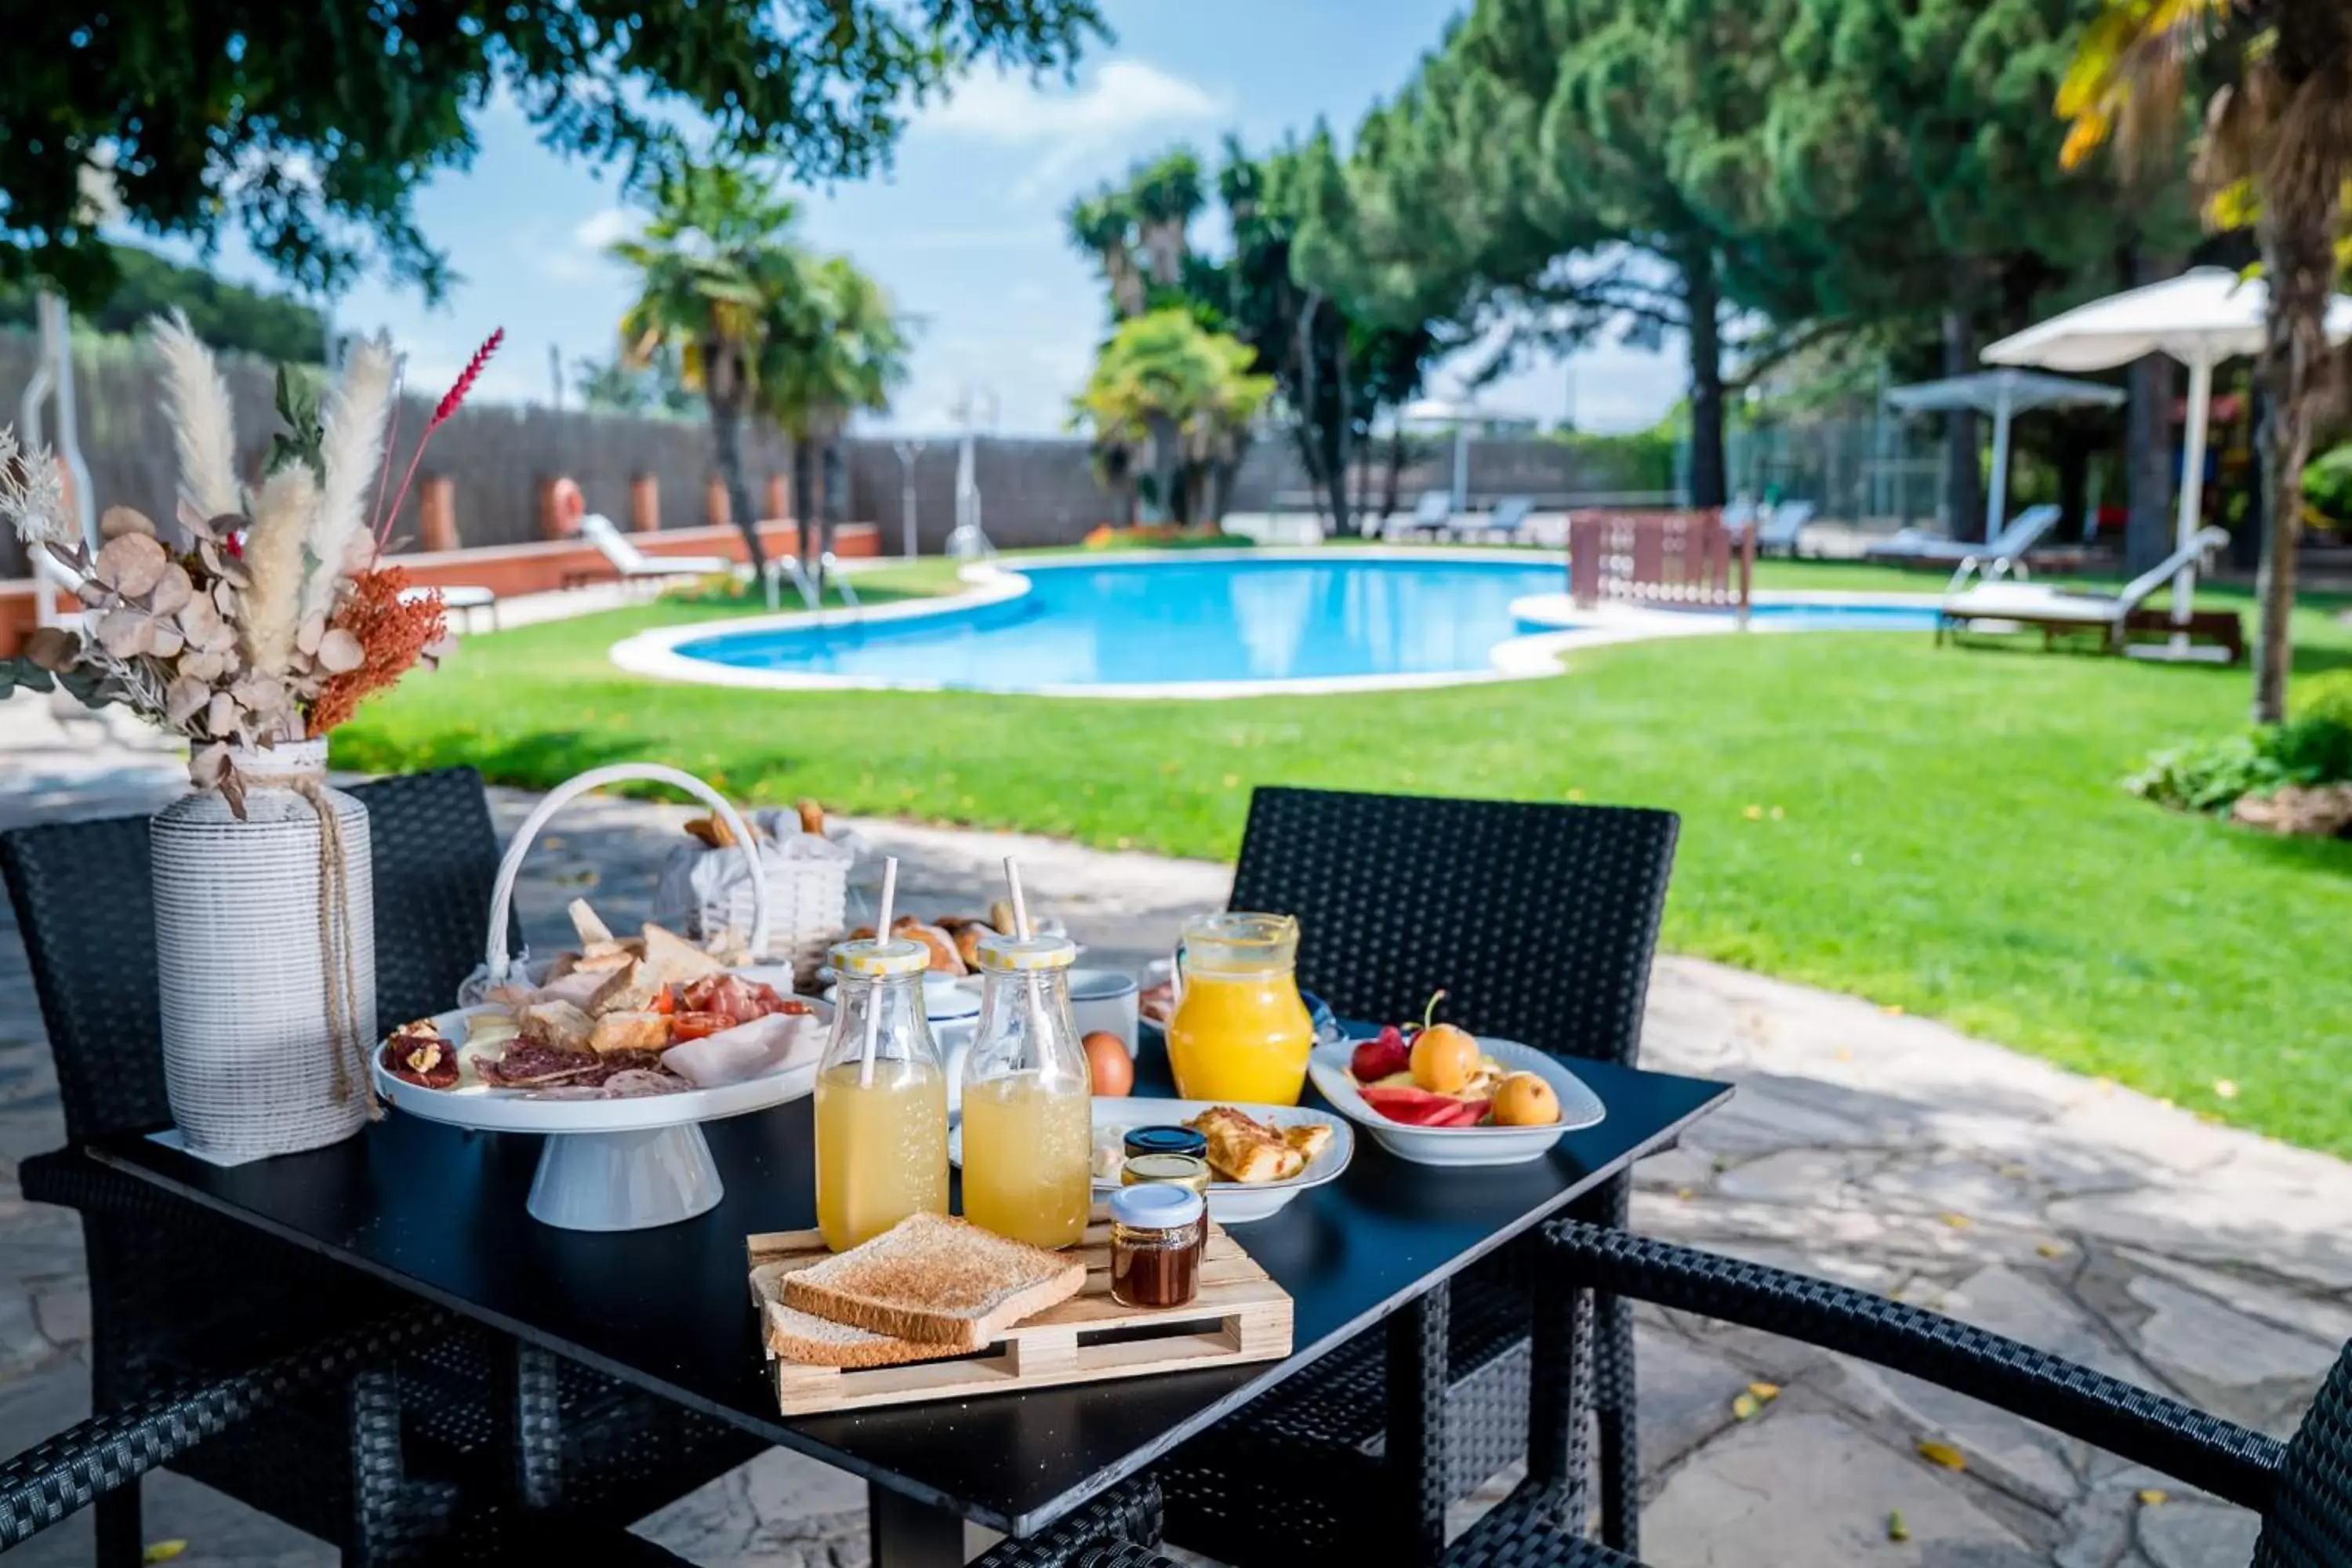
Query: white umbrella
{"x": 2002, "y": 394}
{"x": 2205, "y": 315}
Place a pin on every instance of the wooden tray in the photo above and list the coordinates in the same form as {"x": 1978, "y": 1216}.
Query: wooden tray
{"x": 1240, "y": 1315}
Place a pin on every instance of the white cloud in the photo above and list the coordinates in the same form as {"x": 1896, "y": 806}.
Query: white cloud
{"x": 1124, "y": 101}
{"x": 604, "y": 226}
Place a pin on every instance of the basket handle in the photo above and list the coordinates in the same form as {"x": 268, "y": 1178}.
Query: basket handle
{"x": 502, "y": 896}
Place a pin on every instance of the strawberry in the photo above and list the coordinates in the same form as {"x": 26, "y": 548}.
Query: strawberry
{"x": 1380, "y": 1056}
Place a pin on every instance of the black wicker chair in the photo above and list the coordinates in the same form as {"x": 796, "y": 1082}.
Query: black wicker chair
{"x": 1120, "y": 1529}
{"x": 2302, "y": 1489}
{"x": 1540, "y": 922}
{"x": 180, "y": 1296}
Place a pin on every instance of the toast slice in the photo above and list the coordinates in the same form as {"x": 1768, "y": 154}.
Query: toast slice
{"x": 937, "y": 1281}
{"x": 796, "y": 1336}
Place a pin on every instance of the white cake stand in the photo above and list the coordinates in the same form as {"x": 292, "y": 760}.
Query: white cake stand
{"x": 608, "y": 1164}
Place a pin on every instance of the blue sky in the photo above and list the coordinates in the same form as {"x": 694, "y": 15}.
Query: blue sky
{"x": 965, "y": 231}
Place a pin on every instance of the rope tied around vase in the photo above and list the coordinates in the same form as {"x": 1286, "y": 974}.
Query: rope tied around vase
{"x": 346, "y": 1043}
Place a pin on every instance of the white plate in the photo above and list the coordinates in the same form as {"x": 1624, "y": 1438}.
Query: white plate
{"x": 492, "y": 1110}
{"x": 1230, "y": 1203}
{"x": 1579, "y": 1107}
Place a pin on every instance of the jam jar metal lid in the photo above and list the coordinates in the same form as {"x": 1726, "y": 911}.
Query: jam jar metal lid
{"x": 1165, "y": 1140}
{"x": 1159, "y": 1206}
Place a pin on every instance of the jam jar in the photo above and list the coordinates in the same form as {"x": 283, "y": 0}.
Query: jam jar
{"x": 1189, "y": 1170}
{"x": 1156, "y": 1233}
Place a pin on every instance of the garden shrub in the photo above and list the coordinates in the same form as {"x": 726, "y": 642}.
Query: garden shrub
{"x": 2211, "y": 774}
{"x": 2327, "y": 697}
{"x": 2327, "y": 484}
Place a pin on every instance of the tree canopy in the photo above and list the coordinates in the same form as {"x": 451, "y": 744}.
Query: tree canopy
{"x": 224, "y": 315}
{"x": 1753, "y": 175}
{"x": 308, "y": 124}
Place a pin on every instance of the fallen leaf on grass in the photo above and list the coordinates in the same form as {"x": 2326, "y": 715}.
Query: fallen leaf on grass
{"x": 2153, "y": 1495}
{"x": 1895, "y": 1529}
{"x": 1943, "y": 1454}
{"x": 2225, "y": 1087}
{"x": 1752, "y": 813}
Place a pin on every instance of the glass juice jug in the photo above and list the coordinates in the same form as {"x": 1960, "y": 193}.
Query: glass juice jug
{"x": 1028, "y": 1101}
{"x": 1240, "y": 1031}
{"x": 881, "y": 1130}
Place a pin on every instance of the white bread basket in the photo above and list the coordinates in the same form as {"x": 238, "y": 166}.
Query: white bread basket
{"x": 500, "y": 964}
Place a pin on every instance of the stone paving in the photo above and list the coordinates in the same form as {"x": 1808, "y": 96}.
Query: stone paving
{"x": 1888, "y": 1151}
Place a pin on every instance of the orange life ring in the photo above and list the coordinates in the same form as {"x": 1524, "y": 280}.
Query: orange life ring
{"x": 570, "y": 505}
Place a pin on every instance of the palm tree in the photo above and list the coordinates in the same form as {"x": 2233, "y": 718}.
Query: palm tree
{"x": 2276, "y": 150}
{"x": 712, "y": 259}
{"x": 1164, "y": 378}
{"x": 1167, "y": 194}
{"x": 1103, "y": 226}
{"x": 833, "y": 346}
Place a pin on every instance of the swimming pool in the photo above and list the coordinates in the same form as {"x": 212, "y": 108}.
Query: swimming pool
{"x": 1219, "y": 623}
{"x": 1161, "y": 623}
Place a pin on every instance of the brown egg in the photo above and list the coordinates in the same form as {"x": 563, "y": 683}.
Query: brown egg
{"x": 1525, "y": 1100}
{"x": 1444, "y": 1058}
{"x": 1108, "y": 1061}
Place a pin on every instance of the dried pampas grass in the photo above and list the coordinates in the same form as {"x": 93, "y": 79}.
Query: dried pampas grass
{"x": 351, "y": 449}
{"x": 273, "y": 557}
{"x": 204, "y": 427}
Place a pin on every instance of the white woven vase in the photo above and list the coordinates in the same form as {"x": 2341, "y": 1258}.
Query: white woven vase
{"x": 250, "y": 1051}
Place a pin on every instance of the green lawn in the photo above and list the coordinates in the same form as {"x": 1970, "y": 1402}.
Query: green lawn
{"x": 1937, "y": 830}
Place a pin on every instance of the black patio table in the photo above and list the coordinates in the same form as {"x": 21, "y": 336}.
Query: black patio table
{"x": 439, "y": 1211}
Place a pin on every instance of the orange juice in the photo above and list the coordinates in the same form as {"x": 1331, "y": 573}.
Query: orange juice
{"x": 1241, "y": 1038}
{"x": 1240, "y": 1031}
{"x": 1028, "y": 1157}
{"x": 881, "y": 1149}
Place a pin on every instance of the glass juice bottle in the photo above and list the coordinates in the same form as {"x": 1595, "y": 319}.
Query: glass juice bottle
{"x": 1028, "y": 1102}
{"x": 881, "y": 1129}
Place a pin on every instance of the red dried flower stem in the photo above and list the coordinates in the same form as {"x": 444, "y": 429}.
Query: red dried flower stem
{"x": 448, "y": 406}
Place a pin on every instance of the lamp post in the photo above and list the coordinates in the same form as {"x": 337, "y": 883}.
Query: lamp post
{"x": 908, "y": 452}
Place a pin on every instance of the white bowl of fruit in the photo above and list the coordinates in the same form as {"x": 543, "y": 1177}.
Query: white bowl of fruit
{"x": 1437, "y": 1095}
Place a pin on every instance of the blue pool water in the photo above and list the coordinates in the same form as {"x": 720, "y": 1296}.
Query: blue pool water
{"x": 1134, "y": 624}
{"x": 1848, "y": 618}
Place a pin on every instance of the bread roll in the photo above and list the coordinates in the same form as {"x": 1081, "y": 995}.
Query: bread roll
{"x": 945, "y": 959}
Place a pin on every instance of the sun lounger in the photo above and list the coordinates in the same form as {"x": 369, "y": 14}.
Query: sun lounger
{"x": 1508, "y": 523}
{"x": 2001, "y": 555}
{"x": 2056, "y": 610}
{"x": 462, "y": 598}
{"x": 1777, "y": 528}
{"x": 631, "y": 564}
{"x": 1430, "y": 516}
